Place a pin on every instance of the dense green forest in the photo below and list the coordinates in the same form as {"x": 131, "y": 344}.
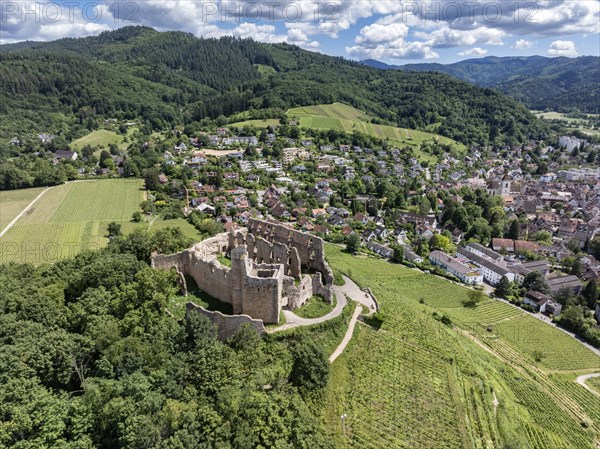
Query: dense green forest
{"x": 175, "y": 78}
{"x": 90, "y": 359}
{"x": 561, "y": 84}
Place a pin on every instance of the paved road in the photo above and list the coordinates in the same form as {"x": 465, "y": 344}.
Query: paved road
{"x": 340, "y": 349}
{"x": 348, "y": 290}
{"x": 581, "y": 381}
{"x": 10, "y": 225}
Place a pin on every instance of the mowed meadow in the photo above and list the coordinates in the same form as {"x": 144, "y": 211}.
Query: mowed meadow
{"x": 342, "y": 117}
{"x": 68, "y": 218}
{"x": 418, "y": 383}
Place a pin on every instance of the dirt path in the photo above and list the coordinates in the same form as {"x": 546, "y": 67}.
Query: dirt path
{"x": 581, "y": 381}
{"x": 340, "y": 349}
{"x": 10, "y": 225}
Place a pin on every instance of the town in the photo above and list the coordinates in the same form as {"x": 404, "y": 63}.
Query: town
{"x": 522, "y": 222}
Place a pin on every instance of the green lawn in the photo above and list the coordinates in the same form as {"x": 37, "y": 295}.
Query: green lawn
{"x": 260, "y": 123}
{"x": 421, "y": 384}
{"x": 102, "y": 138}
{"x": 342, "y": 117}
{"x": 315, "y": 307}
{"x": 12, "y": 203}
{"x": 69, "y": 218}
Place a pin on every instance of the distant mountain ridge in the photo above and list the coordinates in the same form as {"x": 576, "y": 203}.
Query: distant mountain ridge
{"x": 562, "y": 84}
{"x": 164, "y": 79}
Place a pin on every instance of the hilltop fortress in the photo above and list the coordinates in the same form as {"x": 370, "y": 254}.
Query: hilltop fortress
{"x": 272, "y": 267}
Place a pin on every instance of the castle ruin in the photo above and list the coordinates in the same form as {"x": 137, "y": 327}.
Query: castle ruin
{"x": 272, "y": 267}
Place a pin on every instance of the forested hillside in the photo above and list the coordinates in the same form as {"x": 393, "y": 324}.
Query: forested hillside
{"x": 90, "y": 359}
{"x": 176, "y": 78}
{"x": 561, "y": 84}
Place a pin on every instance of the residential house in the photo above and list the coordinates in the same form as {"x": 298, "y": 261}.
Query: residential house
{"x": 570, "y": 282}
{"x": 542, "y": 303}
{"x": 64, "y": 154}
{"x": 492, "y": 272}
{"x": 383, "y": 251}
{"x": 466, "y": 274}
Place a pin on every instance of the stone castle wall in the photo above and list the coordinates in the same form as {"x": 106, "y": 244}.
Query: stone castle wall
{"x": 201, "y": 264}
{"x": 266, "y": 269}
{"x": 227, "y": 325}
{"x": 310, "y": 249}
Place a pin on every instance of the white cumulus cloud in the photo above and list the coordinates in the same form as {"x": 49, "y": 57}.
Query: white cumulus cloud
{"x": 476, "y": 51}
{"x": 522, "y": 44}
{"x": 562, "y": 48}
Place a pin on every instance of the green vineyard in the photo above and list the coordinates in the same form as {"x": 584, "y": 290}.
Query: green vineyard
{"x": 417, "y": 383}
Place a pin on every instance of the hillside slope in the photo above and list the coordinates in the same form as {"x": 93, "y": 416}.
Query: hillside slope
{"x": 562, "y": 84}
{"x": 175, "y": 78}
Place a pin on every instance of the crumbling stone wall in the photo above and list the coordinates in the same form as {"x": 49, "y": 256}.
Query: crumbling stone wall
{"x": 265, "y": 261}
{"x": 297, "y": 295}
{"x": 308, "y": 249}
{"x": 202, "y": 266}
{"x": 227, "y": 325}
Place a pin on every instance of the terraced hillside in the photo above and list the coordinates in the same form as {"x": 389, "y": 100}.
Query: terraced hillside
{"x": 419, "y": 383}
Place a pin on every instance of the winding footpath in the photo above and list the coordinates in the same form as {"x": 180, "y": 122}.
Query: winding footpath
{"x": 581, "y": 381}
{"x": 340, "y": 349}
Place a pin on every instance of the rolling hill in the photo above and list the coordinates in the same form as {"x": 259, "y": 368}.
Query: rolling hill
{"x": 172, "y": 78}
{"x": 562, "y": 84}
{"x": 342, "y": 117}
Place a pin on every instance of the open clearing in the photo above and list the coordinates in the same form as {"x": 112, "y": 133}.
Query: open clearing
{"x": 102, "y": 138}
{"x": 421, "y": 384}
{"x": 341, "y": 117}
{"x": 259, "y": 123}
{"x": 156, "y": 224}
{"x": 69, "y": 218}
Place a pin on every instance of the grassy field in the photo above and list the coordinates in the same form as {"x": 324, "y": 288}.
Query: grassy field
{"x": 315, "y": 307}
{"x": 421, "y": 384}
{"x": 573, "y": 123}
{"x": 69, "y": 218}
{"x": 260, "y": 123}
{"x": 12, "y": 202}
{"x": 342, "y": 117}
{"x": 562, "y": 117}
{"x": 346, "y": 118}
{"x": 594, "y": 383}
{"x": 102, "y": 138}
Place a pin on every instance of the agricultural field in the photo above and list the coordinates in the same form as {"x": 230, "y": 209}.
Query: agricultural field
{"x": 12, "y": 202}
{"x": 102, "y": 138}
{"x": 594, "y": 383}
{"x": 419, "y": 383}
{"x": 69, "y": 218}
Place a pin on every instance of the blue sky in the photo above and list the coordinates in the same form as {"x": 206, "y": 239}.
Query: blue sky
{"x": 396, "y": 32}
